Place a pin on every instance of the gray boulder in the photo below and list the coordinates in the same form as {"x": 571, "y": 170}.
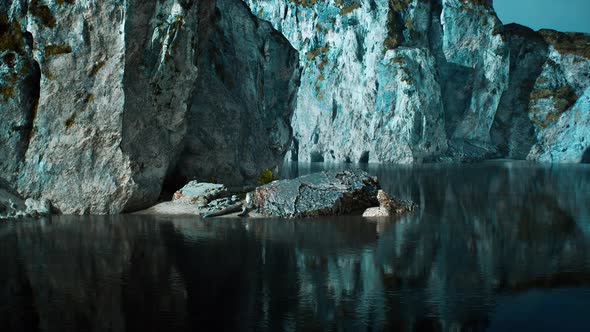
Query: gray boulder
{"x": 195, "y": 192}
{"x": 388, "y": 206}
{"x": 319, "y": 194}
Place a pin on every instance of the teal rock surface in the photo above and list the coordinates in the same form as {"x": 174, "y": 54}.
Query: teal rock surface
{"x": 409, "y": 81}
{"x": 97, "y": 96}
{"x": 392, "y": 81}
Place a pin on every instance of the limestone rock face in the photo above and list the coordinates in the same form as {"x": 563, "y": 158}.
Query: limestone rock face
{"x": 244, "y": 97}
{"x": 102, "y": 135}
{"x": 392, "y": 81}
{"x": 544, "y": 113}
{"x": 97, "y": 97}
{"x": 427, "y": 80}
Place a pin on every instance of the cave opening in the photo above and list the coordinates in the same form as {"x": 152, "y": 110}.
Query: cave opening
{"x": 316, "y": 157}
{"x": 364, "y": 159}
{"x": 586, "y": 157}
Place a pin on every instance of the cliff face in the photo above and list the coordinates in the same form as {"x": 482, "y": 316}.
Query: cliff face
{"x": 418, "y": 80}
{"x": 243, "y": 99}
{"x": 98, "y": 96}
{"x": 547, "y": 105}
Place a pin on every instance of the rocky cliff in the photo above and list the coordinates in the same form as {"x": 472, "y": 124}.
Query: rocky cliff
{"x": 97, "y": 97}
{"x": 423, "y": 80}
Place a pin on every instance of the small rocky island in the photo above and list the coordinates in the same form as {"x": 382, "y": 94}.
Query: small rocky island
{"x": 320, "y": 194}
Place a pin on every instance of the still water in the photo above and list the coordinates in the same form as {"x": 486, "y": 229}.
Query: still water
{"x": 494, "y": 247}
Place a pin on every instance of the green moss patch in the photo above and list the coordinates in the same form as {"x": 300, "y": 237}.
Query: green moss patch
{"x": 266, "y": 177}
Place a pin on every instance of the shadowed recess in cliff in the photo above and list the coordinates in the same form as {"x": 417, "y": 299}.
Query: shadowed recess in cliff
{"x": 513, "y": 131}
{"x": 239, "y": 122}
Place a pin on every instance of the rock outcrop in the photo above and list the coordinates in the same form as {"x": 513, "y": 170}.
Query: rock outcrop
{"x": 408, "y": 81}
{"x": 318, "y": 194}
{"x": 388, "y": 206}
{"x": 97, "y": 97}
{"x": 12, "y": 206}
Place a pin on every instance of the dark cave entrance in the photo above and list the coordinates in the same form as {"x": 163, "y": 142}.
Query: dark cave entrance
{"x": 586, "y": 157}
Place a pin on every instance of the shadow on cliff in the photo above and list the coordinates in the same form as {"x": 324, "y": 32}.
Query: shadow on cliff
{"x": 513, "y": 131}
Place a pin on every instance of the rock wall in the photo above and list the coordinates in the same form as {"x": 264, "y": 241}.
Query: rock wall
{"x": 98, "y": 95}
{"x": 546, "y": 110}
{"x": 243, "y": 100}
{"x": 408, "y": 81}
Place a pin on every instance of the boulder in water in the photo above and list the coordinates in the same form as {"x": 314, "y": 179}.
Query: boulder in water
{"x": 319, "y": 194}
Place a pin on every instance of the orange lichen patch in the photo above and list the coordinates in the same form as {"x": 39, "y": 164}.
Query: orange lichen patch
{"x": 312, "y": 54}
{"x": 568, "y": 43}
{"x": 11, "y": 35}
{"x": 349, "y": 8}
{"x": 305, "y": 3}
{"x": 471, "y": 5}
{"x": 70, "y": 121}
{"x": 51, "y": 50}
{"x": 563, "y": 98}
{"x": 96, "y": 68}
{"x": 395, "y": 24}
{"x": 42, "y": 13}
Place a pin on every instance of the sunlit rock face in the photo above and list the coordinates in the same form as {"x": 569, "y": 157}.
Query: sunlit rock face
{"x": 418, "y": 80}
{"x": 392, "y": 81}
{"x": 100, "y": 135}
{"x": 96, "y": 96}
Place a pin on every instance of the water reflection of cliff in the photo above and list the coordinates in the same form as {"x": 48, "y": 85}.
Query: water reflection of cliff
{"x": 482, "y": 233}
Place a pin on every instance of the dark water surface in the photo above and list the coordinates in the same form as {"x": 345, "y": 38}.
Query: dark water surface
{"x": 495, "y": 246}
